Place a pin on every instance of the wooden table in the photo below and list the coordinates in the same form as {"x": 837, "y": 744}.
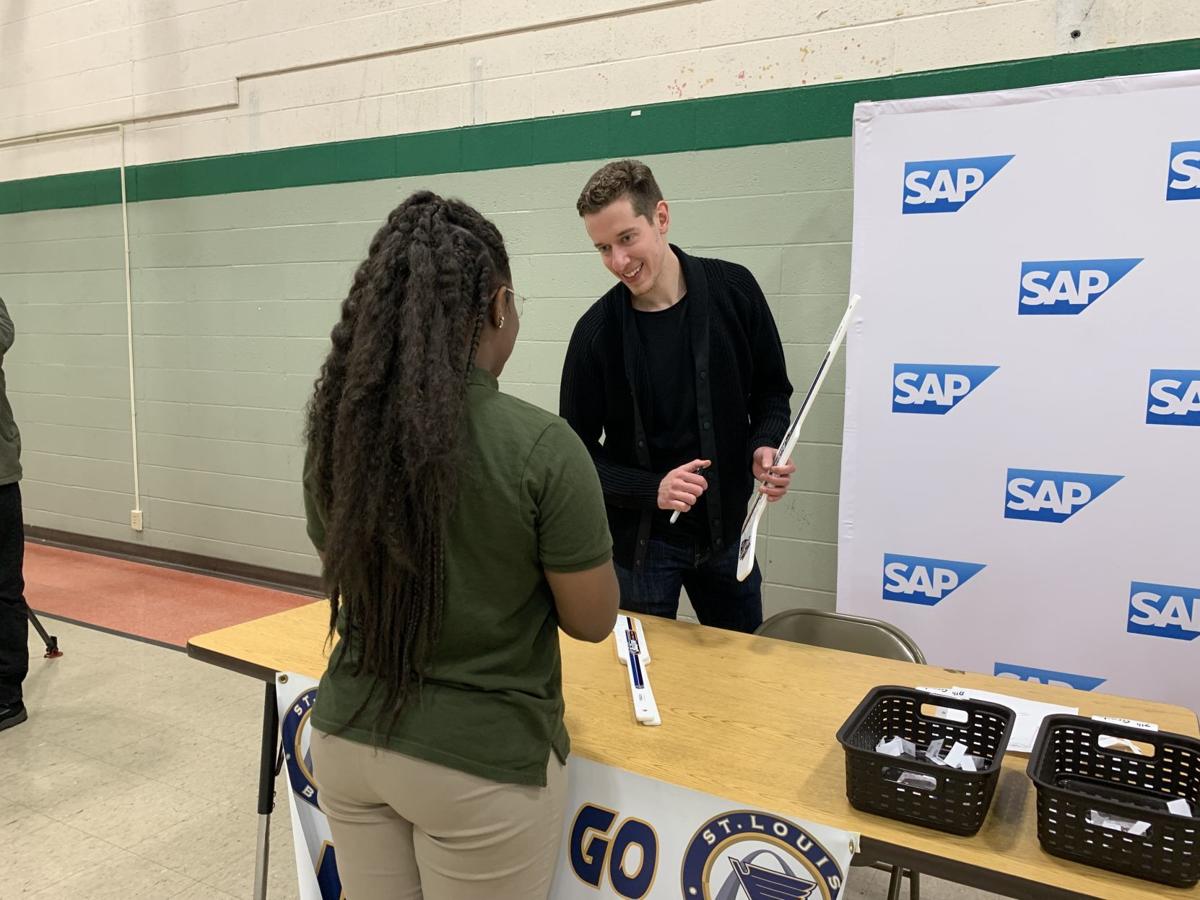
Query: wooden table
{"x": 753, "y": 720}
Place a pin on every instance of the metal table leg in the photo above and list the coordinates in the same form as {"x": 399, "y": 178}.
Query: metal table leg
{"x": 266, "y": 790}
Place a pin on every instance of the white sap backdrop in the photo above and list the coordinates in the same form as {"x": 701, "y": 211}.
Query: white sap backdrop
{"x": 1088, "y": 182}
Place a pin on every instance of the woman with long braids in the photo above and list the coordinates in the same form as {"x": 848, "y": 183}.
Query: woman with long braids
{"x": 459, "y": 529}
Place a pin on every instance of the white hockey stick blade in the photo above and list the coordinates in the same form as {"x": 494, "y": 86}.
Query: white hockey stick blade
{"x": 749, "y": 536}
{"x": 651, "y": 706}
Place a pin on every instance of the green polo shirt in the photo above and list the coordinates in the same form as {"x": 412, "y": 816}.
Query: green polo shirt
{"x": 491, "y": 703}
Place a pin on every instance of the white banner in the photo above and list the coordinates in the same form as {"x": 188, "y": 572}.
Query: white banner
{"x": 1023, "y": 385}
{"x": 628, "y": 836}
{"x": 624, "y": 836}
{"x": 316, "y": 862}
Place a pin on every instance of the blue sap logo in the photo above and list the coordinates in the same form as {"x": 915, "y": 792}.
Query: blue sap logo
{"x": 921, "y": 388}
{"x": 1164, "y": 610}
{"x": 1044, "y": 496}
{"x": 1183, "y": 176}
{"x": 1066, "y": 287}
{"x": 1048, "y": 676}
{"x": 1174, "y": 397}
{"x": 945, "y": 185}
{"x": 924, "y": 580}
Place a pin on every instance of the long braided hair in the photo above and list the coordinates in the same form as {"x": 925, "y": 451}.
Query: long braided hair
{"x": 385, "y": 428}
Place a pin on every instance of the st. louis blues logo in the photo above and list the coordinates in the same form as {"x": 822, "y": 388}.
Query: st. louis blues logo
{"x": 299, "y": 761}
{"x": 750, "y": 855}
{"x": 296, "y": 733}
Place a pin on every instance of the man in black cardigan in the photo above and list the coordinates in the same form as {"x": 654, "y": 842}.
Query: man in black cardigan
{"x": 680, "y": 369}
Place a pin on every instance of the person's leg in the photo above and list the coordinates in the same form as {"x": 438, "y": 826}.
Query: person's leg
{"x": 719, "y": 598}
{"x": 374, "y": 843}
{"x": 14, "y": 615}
{"x": 654, "y": 589}
{"x": 478, "y": 839}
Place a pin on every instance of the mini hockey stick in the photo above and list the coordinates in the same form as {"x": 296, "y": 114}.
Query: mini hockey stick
{"x": 633, "y": 652}
{"x": 750, "y": 527}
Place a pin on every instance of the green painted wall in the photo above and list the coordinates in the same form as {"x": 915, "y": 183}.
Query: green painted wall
{"x": 235, "y": 295}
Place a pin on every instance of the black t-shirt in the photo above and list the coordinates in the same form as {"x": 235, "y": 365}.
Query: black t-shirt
{"x": 671, "y": 423}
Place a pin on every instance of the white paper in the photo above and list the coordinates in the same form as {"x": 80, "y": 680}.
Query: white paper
{"x": 1108, "y": 741}
{"x": 896, "y": 746}
{"x": 958, "y": 693}
{"x": 917, "y": 780}
{"x": 1132, "y": 723}
{"x": 1116, "y": 823}
{"x": 1030, "y": 713}
{"x": 955, "y": 756}
{"x": 1180, "y": 807}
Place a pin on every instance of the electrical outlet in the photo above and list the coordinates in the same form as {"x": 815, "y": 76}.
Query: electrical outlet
{"x": 135, "y": 519}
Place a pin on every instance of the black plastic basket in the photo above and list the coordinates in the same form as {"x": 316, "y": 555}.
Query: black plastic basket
{"x": 1075, "y": 775}
{"x": 959, "y": 803}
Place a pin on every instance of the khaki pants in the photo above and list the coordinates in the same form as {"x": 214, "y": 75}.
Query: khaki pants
{"x": 406, "y": 829}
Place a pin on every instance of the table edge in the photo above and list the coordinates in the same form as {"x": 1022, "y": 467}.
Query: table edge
{"x": 229, "y": 663}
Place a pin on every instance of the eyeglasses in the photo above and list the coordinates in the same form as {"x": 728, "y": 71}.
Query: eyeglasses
{"x": 518, "y": 301}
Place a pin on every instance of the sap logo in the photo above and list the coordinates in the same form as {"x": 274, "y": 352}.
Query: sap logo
{"x": 1048, "y": 676}
{"x": 596, "y": 848}
{"x": 924, "y": 580}
{"x": 1164, "y": 610}
{"x": 945, "y": 185}
{"x": 1044, "y": 496}
{"x": 1183, "y": 177}
{"x": 1066, "y": 287}
{"x": 1174, "y": 397}
{"x": 931, "y": 389}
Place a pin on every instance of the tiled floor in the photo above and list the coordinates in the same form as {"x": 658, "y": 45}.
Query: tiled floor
{"x": 135, "y": 777}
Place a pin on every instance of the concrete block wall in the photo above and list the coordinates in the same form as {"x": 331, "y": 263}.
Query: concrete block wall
{"x": 234, "y": 293}
{"x": 211, "y": 77}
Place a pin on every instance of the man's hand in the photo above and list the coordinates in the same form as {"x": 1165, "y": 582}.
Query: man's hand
{"x": 774, "y": 480}
{"x": 682, "y": 487}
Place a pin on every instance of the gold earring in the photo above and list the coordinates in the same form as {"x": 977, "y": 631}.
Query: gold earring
{"x": 500, "y": 324}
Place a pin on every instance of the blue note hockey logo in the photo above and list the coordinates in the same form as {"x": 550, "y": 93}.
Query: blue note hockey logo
{"x": 751, "y": 855}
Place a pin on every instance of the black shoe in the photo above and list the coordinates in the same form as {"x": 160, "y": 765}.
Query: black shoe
{"x": 12, "y": 715}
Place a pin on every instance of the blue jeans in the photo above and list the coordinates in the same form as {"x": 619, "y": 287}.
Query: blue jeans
{"x": 711, "y": 581}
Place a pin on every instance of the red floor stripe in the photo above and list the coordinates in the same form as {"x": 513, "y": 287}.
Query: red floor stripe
{"x": 147, "y": 601}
